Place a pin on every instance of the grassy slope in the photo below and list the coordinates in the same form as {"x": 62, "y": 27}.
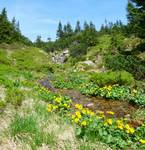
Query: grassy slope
{"x": 25, "y": 123}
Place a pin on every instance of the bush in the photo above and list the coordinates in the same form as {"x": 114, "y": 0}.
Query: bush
{"x": 110, "y": 78}
{"x": 130, "y": 63}
{"x": 78, "y": 50}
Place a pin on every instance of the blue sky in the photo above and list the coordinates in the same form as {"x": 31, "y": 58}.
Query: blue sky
{"x": 41, "y": 17}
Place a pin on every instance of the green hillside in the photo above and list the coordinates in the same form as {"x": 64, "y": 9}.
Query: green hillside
{"x": 83, "y": 91}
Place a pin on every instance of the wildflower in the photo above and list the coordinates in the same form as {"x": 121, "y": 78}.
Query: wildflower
{"x": 92, "y": 113}
{"x": 78, "y": 114}
{"x": 58, "y": 99}
{"x": 55, "y": 107}
{"x": 99, "y": 117}
{"x": 108, "y": 122}
{"x": 84, "y": 123}
{"x": 110, "y": 112}
{"x": 129, "y": 129}
{"x": 109, "y": 87}
{"x": 49, "y": 110}
{"x": 134, "y": 91}
{"x": 76, "y": 120}
{"x": 65, "y": 105}
{"x": 84, "y": 111}
{"x": 73, "y": 116}
{"x": 142, "y": 141}
{"x": 49, "y": 105}
{"x": 119, "y": 121}
{"x": 78, "y": 106}
{"x": 120, "y": 127}
{"x": 100, "y": 112}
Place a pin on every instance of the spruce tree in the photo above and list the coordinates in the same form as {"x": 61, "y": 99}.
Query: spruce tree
{"x": 69, "y": 29}
{"x": 86, "y": 26}
{"x": 59, "y": 31}
{"x": 136, "y": 17}
{"x": 77, "y": 28}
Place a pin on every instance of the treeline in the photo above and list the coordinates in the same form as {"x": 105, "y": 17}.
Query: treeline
{"x": 86, "y": 36}
{"x": 10, "y": 30}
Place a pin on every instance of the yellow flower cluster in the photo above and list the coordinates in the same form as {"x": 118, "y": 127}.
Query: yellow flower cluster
{"x": 129, "y": 129}
{"x": 108, "y": 122}
{"x": 110, "y": 112}
{"x": 78, "y": 106}
{"x": 120, "y": 124}
{"x": 52, "y": 107}
{"x": 109, "y": 88}
{"x": 142, "y": 141}
{"x": 58, "y": 99}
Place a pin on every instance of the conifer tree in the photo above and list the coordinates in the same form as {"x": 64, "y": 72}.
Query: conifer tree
{"x": 69, "y": 29}
{"x": 136, "y": 17}
{"x": 78, "y": 28}
{"x": 59, "y": 31}
{"x": 86, "y": 26}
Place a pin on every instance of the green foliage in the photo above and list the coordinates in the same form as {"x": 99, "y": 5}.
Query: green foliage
{"x": 78, "y": 50}
{"x": 14, "y": 96}
{"x": 110, "y": 78}
{"x": 129, "y": 63}
{"x": 32, "y": 59}
{"x": 114, "y": 92}
{"x": 3, "y": 58}
{"x": 136, "y": 17}
{"x": 9, "y": 31}
{"x": 2, "y": 105}
{"x": 35, "y": 136}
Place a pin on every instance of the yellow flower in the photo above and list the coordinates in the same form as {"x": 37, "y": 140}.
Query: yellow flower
{"x": 49, "y": 105}
{"x": 76, "y": 120}
{"x": 142, "y": 141}
{"x": 78, "y": 106}
{"x": 132, "y": 130}
{"x": 108, "y": 122}
{"x": 84, "y": 111}
{"x": 120, "y": 127}
{"x": 78, "y": 114}
{"x": 129, "y": 129}
{"x": 119, "y": 121}
{"x": 110, "y": 112}
{"x": 65, "y": 105}
{"x": 84, "y": 123}
{"x": 73, "y": 116}
{"x": 89, "y": 112}
{"x": 100, "y": 112}
{"x": 55, "y": 107}
{"x": 49, "y": 110}
{"x": 92, "y": 113}
{"x": 134, "y": 91}
{"x": 99, "y": 117}
{"x": 58, "y": 99}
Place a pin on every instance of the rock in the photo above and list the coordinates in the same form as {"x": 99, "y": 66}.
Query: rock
{"x": 45, "y": 83}
{"x": 90, "y": 105}
{"x": 60, "y": 57}
{"x": 89, "y": 63}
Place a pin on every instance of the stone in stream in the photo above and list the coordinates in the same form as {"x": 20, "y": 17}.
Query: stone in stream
{"x": 45, "y": 83}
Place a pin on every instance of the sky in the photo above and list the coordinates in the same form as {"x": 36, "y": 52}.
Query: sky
{"x": 41, "y": 17}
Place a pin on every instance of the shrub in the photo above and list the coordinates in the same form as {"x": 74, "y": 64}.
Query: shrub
{"x": 78, "y": 50}
{"x": 129, "y": 63}
{"x": 110, "y": 78}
